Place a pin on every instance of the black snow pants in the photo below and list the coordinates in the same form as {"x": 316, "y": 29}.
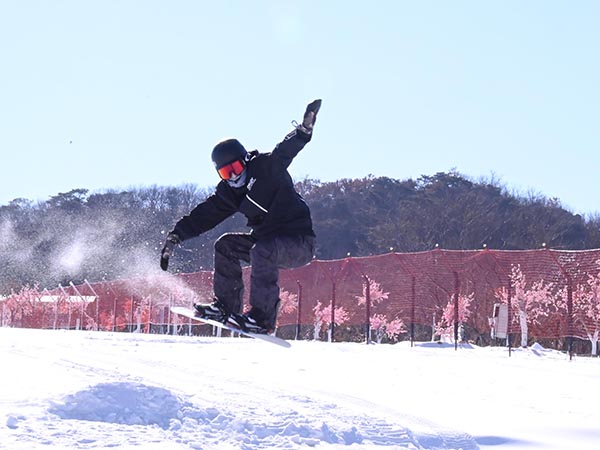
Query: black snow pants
{"x": 266, "y": 256}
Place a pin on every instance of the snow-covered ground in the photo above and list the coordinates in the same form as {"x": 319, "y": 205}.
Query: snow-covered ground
{"x": 89, "y": 390}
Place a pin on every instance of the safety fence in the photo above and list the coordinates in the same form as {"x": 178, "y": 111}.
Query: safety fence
{"x": 548, "y": 296}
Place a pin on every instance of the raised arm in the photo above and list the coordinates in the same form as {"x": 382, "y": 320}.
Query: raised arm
{"x": 295, "y": 141}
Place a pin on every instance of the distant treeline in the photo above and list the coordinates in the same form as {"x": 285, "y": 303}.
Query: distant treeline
{"x": 77, "y": 236}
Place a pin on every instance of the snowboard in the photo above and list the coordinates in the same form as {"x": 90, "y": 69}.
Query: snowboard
{"x": 190, "y": 313}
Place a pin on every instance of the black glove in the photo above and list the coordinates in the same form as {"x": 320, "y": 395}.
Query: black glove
{"x": 310, "y": 116}
{"x": 172, "y": 240}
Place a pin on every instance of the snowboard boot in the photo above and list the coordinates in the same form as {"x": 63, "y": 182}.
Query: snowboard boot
{"x": 213, "y": 311}
{"x": 247, "y": 323}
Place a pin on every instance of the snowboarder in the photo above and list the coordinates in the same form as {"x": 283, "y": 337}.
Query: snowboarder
{"x": 259, "y": 186}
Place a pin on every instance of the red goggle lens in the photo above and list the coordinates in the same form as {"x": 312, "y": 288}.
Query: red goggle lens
{"x": 231, "y": 170}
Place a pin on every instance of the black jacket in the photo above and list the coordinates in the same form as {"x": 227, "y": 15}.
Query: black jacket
{"x": 268, "y": 200}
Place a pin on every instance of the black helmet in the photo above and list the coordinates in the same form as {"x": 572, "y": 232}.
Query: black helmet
{"x": 228, "y": 151}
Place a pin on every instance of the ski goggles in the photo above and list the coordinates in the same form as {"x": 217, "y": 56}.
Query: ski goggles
{"x": 231, "y": 170}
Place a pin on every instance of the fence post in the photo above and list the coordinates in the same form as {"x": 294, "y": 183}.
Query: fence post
{"x": 149, "y": 314}
{"x": 70, "y": 311}
{"x": 332, "y": 324}
{"x": 413, "y": 302}
{"x": 570, "y": 317}
{"x": 171, "y": 319}
{"x": 299, "y": 317}
{"x": 169, "y": 329}
{"x": 68, "y": 298}
{"x": 456, "y": 289}
{"x": 509, "y": 313}
{"x": 368, "y": 305}
{"x": 131, "y": 319}
{"x": 56, "y": 306}
{"x": 97, "y": 304}
{"x": 114, "y": 321}
{"x": 82, "y": 302}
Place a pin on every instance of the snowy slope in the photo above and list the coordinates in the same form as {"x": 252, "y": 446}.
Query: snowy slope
{"x": 89, "y": 390}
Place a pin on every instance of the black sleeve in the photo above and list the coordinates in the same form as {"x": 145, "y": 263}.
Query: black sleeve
{"x": 291, "y": 145}
{"x": 207, "y": 215}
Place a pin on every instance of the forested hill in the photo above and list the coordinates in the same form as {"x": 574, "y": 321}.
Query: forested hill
{"x": 447, "y": 209}
{"x": 80, "y": 235}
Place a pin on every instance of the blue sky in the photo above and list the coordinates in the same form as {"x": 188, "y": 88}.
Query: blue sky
{"x": 117, "y": 94}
